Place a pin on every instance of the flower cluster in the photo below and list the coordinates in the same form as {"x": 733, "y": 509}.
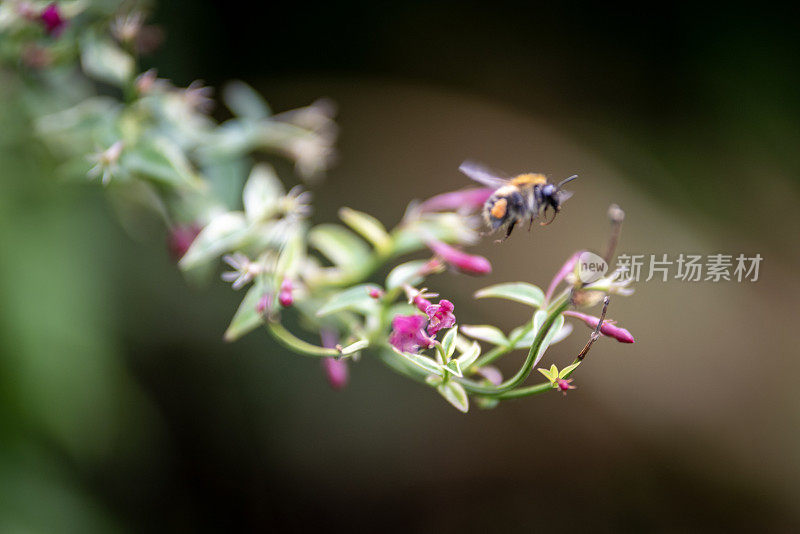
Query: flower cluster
{"x": 154, "y": 144}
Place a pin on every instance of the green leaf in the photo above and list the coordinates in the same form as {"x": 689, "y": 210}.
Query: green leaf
{"x": 469, "y": 356}
{"x": 455, "y": 395}
{"x": 517, "y": 291}
{"x": 221, "y": 235}
{"x": 422, "y": 361}
{"x": 369, "y": 227}
{"x": 262, "y": 193}
{"x": 340, "y": 245}
{"x": 245, "y": 101}
{"x": 527, "y": 340}
{"x": 486, "y": 333}
{"x": 103, "y": 60}
{"x": 161, "y": 161}
{"x": 449, "y": 343}
{"x": 246, "y": 317}
{"x": 454, "y": 367}
{"x": 405, "y": 273}
{"x": 551, "y": 374}
{"x": 353, "y": 298}
{"x": 291, "y": 256}
{"x": 568, "y": 369}
{"x": 225, "y": 176}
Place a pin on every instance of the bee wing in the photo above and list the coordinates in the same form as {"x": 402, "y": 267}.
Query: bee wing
{"x": 564, "y": 196}
{"x": 482, "y": 174}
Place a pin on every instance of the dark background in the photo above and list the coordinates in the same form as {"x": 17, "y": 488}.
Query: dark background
{"x": 129, "y": 413}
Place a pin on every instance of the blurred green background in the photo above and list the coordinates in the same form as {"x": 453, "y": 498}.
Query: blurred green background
{"x": 123, "y": 410}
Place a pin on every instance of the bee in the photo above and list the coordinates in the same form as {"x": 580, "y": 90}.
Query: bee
{"x": 525, "y": 196}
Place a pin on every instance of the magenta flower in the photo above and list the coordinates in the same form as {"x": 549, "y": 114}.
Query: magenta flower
{"x": 52, "y": 21}
{"x": 408, "y": 334}
{"x": 564, "y": 385}
{"x": 336, "y": 371}
{"x": 375, "y": 293}
{"x": 466, "y": 263}
{"x": 608, "y": 329}
{"x": 421, "y": 302}
{"x": 466, "y": 199}
{"x": 567, "y": 268}
{"x": 285, "y": 293}
{"x": 180, "y": 239}
{"x": 440, "y": 316}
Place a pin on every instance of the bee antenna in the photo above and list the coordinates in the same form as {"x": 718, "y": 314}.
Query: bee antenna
{"x": 566, "y": 181}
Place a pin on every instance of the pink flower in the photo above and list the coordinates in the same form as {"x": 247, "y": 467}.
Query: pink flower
{"x": 375, "y": 293}
{"x": 466, "y": 199}
{"x": 564, "y": 385}
{"x": 52, "y": 21}
{"x": 440, "y": 316}
{"x": 466, "y": 263}
{"x": 180, "y": 239}
{"x": 408, "y": 334}
{"x": 567, "y": 268}
{"x": 336, "y": 372}
{"x": 421, "y": 302}
{"x": 608, "y": 329}
{"x": 285, "y": 293}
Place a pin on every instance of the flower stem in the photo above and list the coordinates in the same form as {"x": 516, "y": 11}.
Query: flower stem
{"x": 290, "y": 341}
{"x": 555, "y": 310}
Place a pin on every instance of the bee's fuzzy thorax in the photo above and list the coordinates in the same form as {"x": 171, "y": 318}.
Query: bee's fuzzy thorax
{"x": 529, "y": 179}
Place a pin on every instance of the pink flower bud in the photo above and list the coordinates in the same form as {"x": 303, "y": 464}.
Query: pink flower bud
{"x": 421, "y": 303}
{"x": 432, "y": 266}
{"x": 180, "y": 239}
{"x": 466, "y": 263}
{"x": 564, "y": 385}
{"x": 466, "y": 199}
{"x": 52, "y": 21}
{"x": 336, "y": 372}
{"x": 375, "y": 293}
{"x": 285, "y": 294}
{"x": 567, "y": 268}
{"x": 608, "y": 329}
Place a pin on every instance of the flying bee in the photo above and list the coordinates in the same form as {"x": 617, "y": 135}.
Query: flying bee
{"x": 525, "y": 196}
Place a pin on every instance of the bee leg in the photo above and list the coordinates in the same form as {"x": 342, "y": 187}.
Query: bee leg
{"x": 508, "y": 232}
{"x": 530, "y": 223}
{"x": 553, "y": 218}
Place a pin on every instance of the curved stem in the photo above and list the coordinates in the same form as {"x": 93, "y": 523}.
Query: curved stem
{"x": 290, "y": 341}
{"x": 525, "y": 392}
{"x": 556, "y": 308}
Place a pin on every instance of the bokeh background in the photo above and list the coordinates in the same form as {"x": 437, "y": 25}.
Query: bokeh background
{"x": 121, "y": 409}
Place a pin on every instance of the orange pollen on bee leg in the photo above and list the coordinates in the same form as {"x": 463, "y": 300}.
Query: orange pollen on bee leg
{"x": 499, "y": 208}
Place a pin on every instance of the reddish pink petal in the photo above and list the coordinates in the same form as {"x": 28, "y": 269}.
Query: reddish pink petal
{"x": 469, "y": 199}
